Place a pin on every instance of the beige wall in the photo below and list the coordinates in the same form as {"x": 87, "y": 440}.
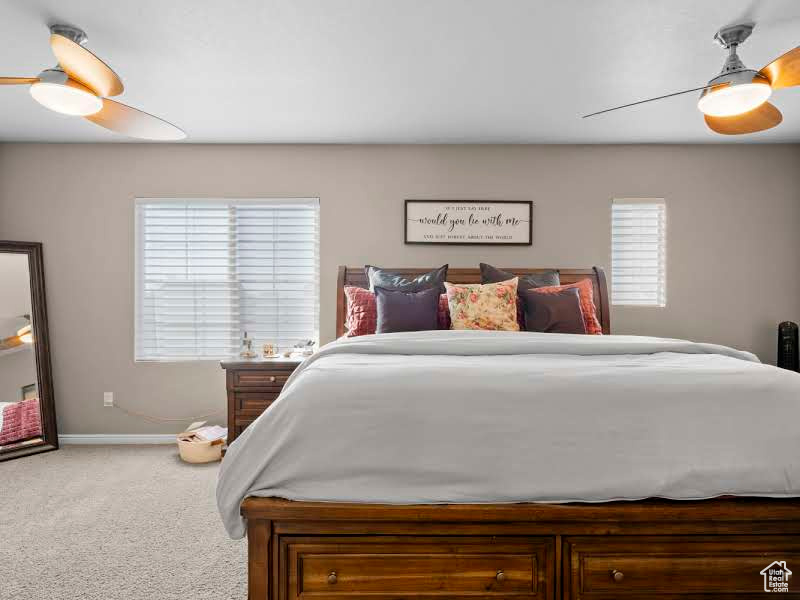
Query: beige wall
{"x": 733, "y": 243}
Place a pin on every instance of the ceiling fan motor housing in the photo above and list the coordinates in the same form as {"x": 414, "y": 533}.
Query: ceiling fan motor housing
{"x": 55, "y": 75}
{"x": 730, "y": 38}
{"x": 737, "y": 78}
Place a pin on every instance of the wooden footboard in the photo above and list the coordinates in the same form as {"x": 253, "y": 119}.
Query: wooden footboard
{"x": 648, "y": 549}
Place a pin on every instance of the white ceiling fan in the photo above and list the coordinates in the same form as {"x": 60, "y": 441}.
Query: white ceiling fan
{"x": 735, "y": 101}
{"x": 81, "y": 85}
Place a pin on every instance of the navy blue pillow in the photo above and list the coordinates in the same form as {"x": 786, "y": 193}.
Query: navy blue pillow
{"x": 389, "y": 280}
{"x": 554, "y": 312}
{"x": 490, "y": 274}
{"x": 407, "y": 311}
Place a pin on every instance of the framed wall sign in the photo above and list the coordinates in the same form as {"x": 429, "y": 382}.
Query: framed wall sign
{"x": 496, "y": 222}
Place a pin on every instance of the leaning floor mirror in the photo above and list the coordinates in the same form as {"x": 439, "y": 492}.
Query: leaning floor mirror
{"x": 27, "y": 409}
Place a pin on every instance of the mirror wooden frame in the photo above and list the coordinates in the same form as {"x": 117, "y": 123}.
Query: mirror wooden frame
{"x": 33, "y": 250}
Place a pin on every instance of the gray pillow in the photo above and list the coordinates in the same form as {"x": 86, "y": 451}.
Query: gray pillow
{"x": 490, "y": 274}
{"x": 554, "y": 312}
{"x": 389, "y": 280}
{"x": 406, "y": 311}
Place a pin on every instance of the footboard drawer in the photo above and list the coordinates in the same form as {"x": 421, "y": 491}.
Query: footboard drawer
{"x": 390, "y": 568}
{"x": 606, "y": 568}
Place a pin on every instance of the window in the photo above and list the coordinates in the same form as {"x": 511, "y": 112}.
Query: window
{"x": 209, "y": 270}
{"x": 638, "y": 252}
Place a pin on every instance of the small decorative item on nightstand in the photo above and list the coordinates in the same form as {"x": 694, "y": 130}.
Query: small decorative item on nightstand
{"x": 304, "y": 347}
{"x": 247, "y": 347}
{"x": 252, "y": 386}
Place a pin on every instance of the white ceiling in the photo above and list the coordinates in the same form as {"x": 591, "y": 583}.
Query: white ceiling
{"x": 416, "y": 71}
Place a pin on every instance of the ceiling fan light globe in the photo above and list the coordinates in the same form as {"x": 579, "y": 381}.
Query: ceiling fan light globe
{"x": 25, "y": 334}
{"x": 69, "y": 98}
{"x": 734, "y": 99}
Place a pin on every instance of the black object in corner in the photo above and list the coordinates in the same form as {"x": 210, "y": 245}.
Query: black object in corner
{"x": 787, "y": 346}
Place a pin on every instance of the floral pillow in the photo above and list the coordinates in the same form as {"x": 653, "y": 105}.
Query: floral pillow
{"x": 483, "y": 306}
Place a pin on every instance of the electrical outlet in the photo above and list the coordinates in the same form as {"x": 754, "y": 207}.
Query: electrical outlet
{"x": 108, "y": 398}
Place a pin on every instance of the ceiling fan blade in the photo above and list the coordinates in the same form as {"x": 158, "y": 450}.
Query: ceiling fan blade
{"x": 84, "y": 66}
{"x": 764, "y": 117}
{"x": 784, "y": 71}
{"x": 600, "y": 112}
{"x": 133, "y": 122}
{"x": 10, "y": 342}
{"x": 17, "y": 80}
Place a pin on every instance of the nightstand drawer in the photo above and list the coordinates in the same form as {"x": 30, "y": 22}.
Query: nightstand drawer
{"x": 247, "y": 402}
{"x": 268, "y": 379}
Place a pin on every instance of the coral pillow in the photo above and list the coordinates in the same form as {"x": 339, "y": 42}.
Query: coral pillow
{"x": 484, "y": 306}
{"x": 361, "y": 313}
{"x": 587, "y": 303}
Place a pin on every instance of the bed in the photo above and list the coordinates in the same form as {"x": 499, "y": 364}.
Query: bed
{"x": 348, "y": 490}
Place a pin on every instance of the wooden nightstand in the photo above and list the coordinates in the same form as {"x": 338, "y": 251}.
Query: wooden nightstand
{"x": 252, "y": 386}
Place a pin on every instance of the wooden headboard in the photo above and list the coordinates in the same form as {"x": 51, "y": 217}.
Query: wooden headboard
{"x": 355, "y": 276}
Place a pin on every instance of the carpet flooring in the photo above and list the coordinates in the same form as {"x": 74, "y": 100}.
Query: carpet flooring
{"x": 115, "y": 522}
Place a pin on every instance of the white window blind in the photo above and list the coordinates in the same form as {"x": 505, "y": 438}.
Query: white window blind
{"x": 209, "y": 270}
{"x": 638, "y": 252}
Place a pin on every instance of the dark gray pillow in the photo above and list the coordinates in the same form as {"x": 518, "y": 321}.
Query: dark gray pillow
{"x": 553, "y": 312}
{"x": 490, "y": 274}
{"x": 389, "y": 280}
{"x": 406, "y": 311}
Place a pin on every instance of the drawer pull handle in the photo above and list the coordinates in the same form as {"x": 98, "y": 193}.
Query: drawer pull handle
{"x": 617, "y": 576}
{"x": 332, "y": 577}
{"x": 500, "y": 577}
{"x": 272, "y": 379}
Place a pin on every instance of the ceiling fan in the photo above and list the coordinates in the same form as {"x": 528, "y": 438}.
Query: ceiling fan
{"x": 81, "y": 84}
{"x": 24, "y": 335}
{"x": 735, "y": 101}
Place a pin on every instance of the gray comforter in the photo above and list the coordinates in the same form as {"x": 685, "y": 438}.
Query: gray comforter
{"x": 477, "y": 416}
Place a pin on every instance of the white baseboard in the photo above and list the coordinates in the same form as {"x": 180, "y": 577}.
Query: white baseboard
{"x": 116, "y": 438}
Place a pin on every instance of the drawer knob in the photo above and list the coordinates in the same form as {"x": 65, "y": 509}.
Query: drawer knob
{"x": 501, "y": 577}
{"x": 617, "y": 576}
{"x": 332, "y": 577}
{"x": 272, "y": 379}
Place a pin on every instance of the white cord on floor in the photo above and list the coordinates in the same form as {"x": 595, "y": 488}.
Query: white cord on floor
{"x": 155, "y": 419}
